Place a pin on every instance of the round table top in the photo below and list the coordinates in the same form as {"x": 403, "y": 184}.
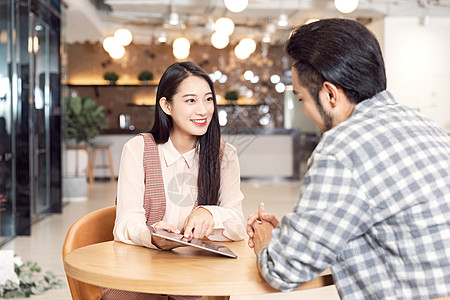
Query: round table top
{"x": 182, "y": 271}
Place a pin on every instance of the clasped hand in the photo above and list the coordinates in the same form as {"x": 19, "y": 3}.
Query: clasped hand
{"x": 198, "y": 224}
{"x": 259, "y": 228}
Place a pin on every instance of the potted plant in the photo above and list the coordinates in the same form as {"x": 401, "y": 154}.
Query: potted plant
{"x": 83, "y": 119}
{"x": 145, "y": 76}
{"x": 111, "y": 76}
{"x": 231, "y": 96}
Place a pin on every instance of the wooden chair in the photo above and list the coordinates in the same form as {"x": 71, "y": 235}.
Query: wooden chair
{"x": 95, "y": 227}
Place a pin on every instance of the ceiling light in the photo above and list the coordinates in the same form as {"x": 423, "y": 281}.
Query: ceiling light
{"x": 118, "y": 51}
{"x": 181, "y": 42}
{"x": 109, "y": 43}
{"x": 283, "y": 20}
{"x": 249, "y": 44}
{"x": 266, "y": 38}
{"x": 219, "y": 41}
{"x": 174, "y": 20}
{"x": 241, "y": 52}
{"x": 248, "y": 74}
{"x": 162, "y": 38}
{"x": 280, "y": 87}
{"x": 236, "y": 6}
{"x": 224, "y": 26}
{"x": 223, "y": 78}
{"x": 123, "y": 36}
{"x": 275, "y": 79}
{"x": 346, "y": 6}
{"x": 255, "y": 79}
{"x": 181, "y": 48}
{"x": 180, "y": 53}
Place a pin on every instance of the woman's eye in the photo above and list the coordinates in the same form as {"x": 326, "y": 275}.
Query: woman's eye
{"x": 300, "y": 100}
{"x": 190, "y": 100}
{"x": 209, "y": 99}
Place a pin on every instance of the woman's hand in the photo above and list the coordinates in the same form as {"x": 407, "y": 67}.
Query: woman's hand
{"x": 162, "y": 243}
{"x": 198, "y": 224}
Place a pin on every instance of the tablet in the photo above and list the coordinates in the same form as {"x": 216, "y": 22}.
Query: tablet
{"x": 197, "y": 243}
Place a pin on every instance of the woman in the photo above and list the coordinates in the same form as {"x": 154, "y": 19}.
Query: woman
{"x": 181, "y": 176}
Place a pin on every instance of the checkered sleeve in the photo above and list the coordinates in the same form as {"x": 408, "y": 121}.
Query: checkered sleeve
{"x": 332, "y": 210}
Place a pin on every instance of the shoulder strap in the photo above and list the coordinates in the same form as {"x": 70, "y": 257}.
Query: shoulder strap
{"x": 154, "y": 195}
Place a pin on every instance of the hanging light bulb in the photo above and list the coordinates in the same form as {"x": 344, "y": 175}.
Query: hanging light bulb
{"x": 180, "y": 53}
{"x": 248, "y": 44}
{"x": 266, "y": 38}
{"x": 236, "y": 6}
{"x": 219, "y": 40}
{"x": 174, "y": 19}
{"x": 346, "y": 6}
{"x": 123, "y": 36}
{"x": 109, "y": 43}
{"x": 162, "y": 38}
{"x": 280, "y": 87}
{"x": 283, "y": 20}
{"x": 224, "y": 26}
{"x": 241, "y": 52}
{"x": 181, "y": 47}
{"x": 118, "y": 51}
{"x": 181, "y": 43}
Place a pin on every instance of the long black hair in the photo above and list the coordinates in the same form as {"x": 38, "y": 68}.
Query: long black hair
{"x": 341, "y": 51}
{"x": 208, "y": 145}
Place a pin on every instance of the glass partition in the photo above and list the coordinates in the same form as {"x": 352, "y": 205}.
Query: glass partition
{"x": 41, "y": 110}
{"x": 6, "y": 156}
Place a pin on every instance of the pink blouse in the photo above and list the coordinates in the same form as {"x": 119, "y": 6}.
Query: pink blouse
{"x": 180, "y": 173}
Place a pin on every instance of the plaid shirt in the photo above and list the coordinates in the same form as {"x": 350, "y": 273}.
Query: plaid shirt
{"x": 374, "y": 207}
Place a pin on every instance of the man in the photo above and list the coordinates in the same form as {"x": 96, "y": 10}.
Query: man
{"x": 375, "y": 201}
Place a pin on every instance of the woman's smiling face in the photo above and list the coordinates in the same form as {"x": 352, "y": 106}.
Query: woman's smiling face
{"x": 192, "y": 107}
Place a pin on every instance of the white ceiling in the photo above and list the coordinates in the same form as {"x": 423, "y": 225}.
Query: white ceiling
{"x": 96, "y": 19}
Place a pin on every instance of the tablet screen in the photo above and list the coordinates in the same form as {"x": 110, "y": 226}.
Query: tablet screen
{"x": 179, "y": 238}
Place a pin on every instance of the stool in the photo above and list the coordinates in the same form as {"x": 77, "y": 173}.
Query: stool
{"x": 88, "y": 167}
{"x": 106, "y": 148}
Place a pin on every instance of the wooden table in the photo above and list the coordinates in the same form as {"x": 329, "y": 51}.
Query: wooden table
{"x": 182, "y": 271}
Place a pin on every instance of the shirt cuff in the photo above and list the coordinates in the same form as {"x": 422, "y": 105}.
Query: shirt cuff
{"x": 266, "y": 266}
{"x": 218, "y": 223}
{"x": 146, "y": 239}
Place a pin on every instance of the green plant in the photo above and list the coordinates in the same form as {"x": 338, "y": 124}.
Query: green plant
{"x": 231, "y": 95}
{"x": 111, "y": 76}
{"x": 145, "y": 75}
{"x": 29, "y": 281}
{"x": 84, "y": 119}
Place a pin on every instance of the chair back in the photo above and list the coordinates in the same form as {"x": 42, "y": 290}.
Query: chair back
{"x": 95, "y": 227}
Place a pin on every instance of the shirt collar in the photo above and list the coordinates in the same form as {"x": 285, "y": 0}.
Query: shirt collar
{"x": 381, "y": 99}
{"x": 171, "y": 154}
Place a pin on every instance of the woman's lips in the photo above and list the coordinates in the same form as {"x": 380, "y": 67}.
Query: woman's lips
{"x": 199, "y": 122}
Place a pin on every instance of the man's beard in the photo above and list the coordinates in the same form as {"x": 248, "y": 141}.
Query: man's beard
{"x": 326, "y": 117}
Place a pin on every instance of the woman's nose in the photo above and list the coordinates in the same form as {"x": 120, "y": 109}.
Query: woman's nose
{"x": 201, "y": 108}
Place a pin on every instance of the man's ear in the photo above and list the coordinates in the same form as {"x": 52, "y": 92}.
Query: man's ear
{"x": 165, "y": 105}
{"x": 332, "y": 92}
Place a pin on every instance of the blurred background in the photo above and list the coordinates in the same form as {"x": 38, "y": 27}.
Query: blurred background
{"x": 78, "y": 78}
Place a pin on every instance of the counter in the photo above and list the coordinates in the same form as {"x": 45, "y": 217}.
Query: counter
{"x": 263, "y": 154}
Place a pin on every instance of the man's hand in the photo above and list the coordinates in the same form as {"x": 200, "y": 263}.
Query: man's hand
{"x": 262, "y": 235}
{"x": 257, "y": 218}
{"x": 198, "y": 224}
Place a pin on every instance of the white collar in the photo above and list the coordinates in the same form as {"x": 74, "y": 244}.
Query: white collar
{"x": 171, "y": 154}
